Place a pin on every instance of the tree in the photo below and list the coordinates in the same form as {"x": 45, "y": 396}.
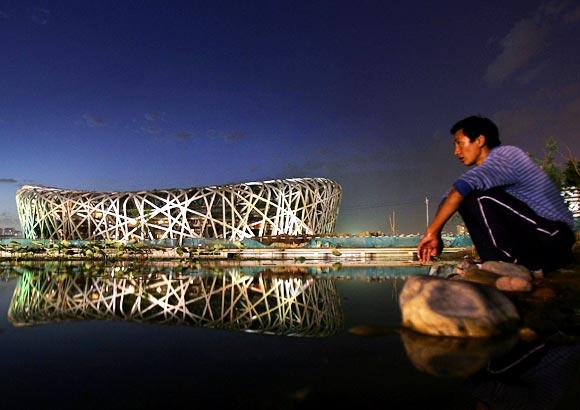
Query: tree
{"x": 571, "y": 174}
{"x": 548, "y": 163}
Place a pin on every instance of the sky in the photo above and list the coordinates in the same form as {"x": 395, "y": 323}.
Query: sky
{"x": 112, "y": 96}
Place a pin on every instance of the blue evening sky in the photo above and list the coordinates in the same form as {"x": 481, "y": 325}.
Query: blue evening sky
{"x": 131, "y": 95}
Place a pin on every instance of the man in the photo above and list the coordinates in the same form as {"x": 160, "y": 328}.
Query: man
{"x": 511, "y": 208}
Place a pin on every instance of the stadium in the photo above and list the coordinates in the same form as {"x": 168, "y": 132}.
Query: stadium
{"x": 300, "y": 206}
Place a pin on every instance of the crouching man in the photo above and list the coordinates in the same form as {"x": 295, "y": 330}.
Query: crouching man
{"x": 511, "y": 208}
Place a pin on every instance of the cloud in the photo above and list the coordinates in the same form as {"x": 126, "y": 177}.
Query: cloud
{"x": 572, "y": 16}
{"x": 335, "y": 163}
{"x": 234, "y": 136}
{"x": 527, "y": 77}
{"x": 93, "y": 121}
{"x": 525, "y": 40}
{"x": 553, "y": 8}
{"x": 211, "y": 133}
{"x": 563, "y": 93}
{"x": 152, "y": 116}
{"x": 551, "y": 113}
{"x": 40, "y": 16}
{"x": 183, "y": 135}
{"x": 8, "y": 181}
{"x": 151, "y": 130}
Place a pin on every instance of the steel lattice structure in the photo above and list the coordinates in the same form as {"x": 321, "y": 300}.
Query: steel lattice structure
{"x": 293, "y": 306}
{"x": 289, "y": 206}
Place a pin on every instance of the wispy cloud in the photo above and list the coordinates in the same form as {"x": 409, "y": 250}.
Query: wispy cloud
{"x": 234, "y": 136}
{"x": 150, "y": 130}
{"x": 10, "y": 181}
{"x": 155, "y": 124}
{"x": 183, "y": 135}
{"x": 327, "y": 161}
{"x": 526, "y": 41}
{"x": 553, "y": 8}
{"x": 531, "y": 74}
{"x": 40, "y": 15}
{"x": 553, "y": 112}
{"x": 93, "y": 121}
{"x": 572, "y": 16}
{"x": 152, "y": 116}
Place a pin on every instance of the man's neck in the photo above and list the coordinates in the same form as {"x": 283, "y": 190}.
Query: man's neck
{"x": 483, "y": 155}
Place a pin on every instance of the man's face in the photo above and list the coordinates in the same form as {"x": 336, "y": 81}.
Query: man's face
{"x": 469, "y": 152}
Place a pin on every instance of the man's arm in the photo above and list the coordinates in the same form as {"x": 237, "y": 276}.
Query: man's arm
{"x": 429, "y": 245}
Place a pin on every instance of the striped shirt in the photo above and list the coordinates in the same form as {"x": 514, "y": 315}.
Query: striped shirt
{"x": 510, "y": 167}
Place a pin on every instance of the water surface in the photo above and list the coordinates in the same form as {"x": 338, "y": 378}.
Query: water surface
{"x": 158, "y": 335}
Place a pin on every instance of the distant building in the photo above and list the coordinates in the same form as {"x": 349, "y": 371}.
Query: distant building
{"x": 572, "y": 197}
{"x": 279, "y": 207}
{"x": 7, "y": 233}
{"x": 460, "y": 229}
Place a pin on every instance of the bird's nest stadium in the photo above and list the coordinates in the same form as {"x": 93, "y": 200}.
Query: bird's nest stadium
{"x": 300, "y": 206}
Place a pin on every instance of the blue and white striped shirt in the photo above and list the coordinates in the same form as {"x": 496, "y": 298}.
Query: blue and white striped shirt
{"x": 512, "y": 168}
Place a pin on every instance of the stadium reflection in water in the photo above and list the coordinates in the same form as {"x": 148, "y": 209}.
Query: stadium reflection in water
{"x": 266, "y": 302}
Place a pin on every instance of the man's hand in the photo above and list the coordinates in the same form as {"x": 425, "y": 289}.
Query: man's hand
{"x": 431, "y": 245}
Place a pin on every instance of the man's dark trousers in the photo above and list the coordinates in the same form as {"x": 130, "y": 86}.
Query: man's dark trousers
{"x": 503, "y": 228}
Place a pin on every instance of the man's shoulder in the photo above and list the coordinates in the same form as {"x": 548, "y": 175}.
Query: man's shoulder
{"x": 508, "y": 151}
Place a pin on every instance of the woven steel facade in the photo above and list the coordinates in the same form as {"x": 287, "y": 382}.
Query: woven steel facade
{"x": 254, "y": 209}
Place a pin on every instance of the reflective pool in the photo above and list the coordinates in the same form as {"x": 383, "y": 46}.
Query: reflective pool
{"x": 283, "y": 337}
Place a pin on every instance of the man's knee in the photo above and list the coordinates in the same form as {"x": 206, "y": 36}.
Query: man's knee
{"x": 471, "y": 204}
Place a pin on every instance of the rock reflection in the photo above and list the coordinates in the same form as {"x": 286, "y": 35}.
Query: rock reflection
{"x": 452, "y": 356}
{"x": 274, "y": 302}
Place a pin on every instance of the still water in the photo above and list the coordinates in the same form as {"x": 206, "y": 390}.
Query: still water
{"x": 162, "y": 336}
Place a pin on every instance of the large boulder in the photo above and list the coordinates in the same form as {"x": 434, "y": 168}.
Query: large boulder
{"x": 443, "y": 307}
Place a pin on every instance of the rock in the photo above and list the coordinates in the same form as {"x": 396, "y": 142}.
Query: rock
{"x": 503, "y": 283}
{"x": 480, "y": 276}
{"x": 443, "y": 307}
{"x": 506, "y": 269}
{"x": 450, "y": 356}
{"x": 442, "y": 270}
{"x": 527, "y": 334}
{"x": 538, "y": 274}
{"x": 465, "y": 265}
{"x": 513, "y": 284}
{"x": 543, "y": 293}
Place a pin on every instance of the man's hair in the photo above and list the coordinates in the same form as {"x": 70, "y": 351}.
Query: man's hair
{"x": 475, "y": 126}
